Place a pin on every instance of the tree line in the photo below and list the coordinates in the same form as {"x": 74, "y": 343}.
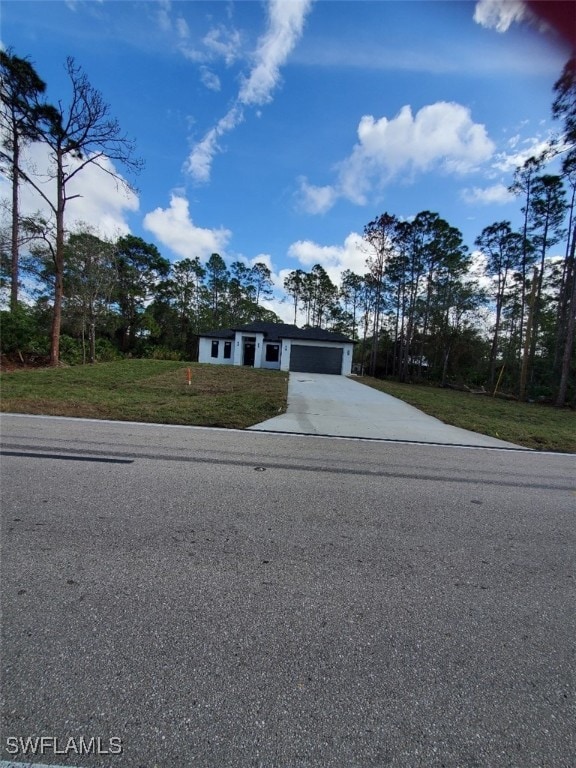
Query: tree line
{"x": 125, "y": 298}
{"x": 418, "y": 312}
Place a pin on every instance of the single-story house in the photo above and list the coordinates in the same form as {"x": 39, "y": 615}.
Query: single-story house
{"x": 278, "y": 346}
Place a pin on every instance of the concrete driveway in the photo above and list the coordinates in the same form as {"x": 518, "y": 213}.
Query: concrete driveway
{"x": 319, "y": 404}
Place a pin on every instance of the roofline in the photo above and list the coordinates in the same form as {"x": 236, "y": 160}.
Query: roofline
{"x": 294, "y": 334}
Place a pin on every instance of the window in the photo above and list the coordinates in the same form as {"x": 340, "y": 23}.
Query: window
{"x": 272, "y": 353}
{"x": 227, "y": 350}
{"x": 215, "y": 345}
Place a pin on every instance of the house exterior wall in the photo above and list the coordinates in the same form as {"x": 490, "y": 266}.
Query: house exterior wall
{"x": 205, "y": 351}
{"x": 272, "y": 364}
{"x": 347, "y": 359}
{"x": 237, "y": 351}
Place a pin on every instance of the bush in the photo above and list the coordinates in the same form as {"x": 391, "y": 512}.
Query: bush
{"x": 71, "y": 350}
{"x": 106, "y": 352}
{"x": 162, "y": 353}
{"x": 17, "y": 330}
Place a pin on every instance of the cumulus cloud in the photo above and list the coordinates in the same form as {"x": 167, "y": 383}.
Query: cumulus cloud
{"x": 174, "y": 228}
{"x": 497, "y": 193}
{"x": 334, "y": 258}
{"x": 285, "y": 25}
{"x": 500, "y": 14}
{"x": 102, "y": 202}
{"x": 441, "y": 136}
{"x": 99, "y": 200}
{"x": 316, "y": 199}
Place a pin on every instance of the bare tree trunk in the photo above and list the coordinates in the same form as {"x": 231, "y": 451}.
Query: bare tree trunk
{"x": 528, "y": 337}
{"x": 564, "y": 298}
{"x": 494, "y": 351}
{"x": 83, "y": 342}
{"x": 58, "y": 264}
{"x": 445, "y": 364}
{"x": 14, "y": 270}
{"x": 56, "y": 319}
{"x": 92, "y": 341}
{"x": 569, "y": 339}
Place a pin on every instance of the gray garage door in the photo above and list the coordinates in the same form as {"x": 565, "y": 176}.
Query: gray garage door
{"x": 315, "y": 359}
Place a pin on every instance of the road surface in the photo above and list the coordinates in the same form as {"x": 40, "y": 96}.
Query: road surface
{"x": 218, "y": 598}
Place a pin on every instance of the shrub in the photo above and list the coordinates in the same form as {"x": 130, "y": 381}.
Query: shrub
{"x": 162, "y": 353}
{"x": 106, "y": 352}
{"x": 71, "y": 350}
{"x": 17, "y": 330}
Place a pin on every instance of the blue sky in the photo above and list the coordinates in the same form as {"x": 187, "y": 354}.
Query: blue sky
{"x": 275, "y": 131}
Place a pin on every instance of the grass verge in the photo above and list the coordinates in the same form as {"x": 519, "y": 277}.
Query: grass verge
{"x": 541, "y": 427}
{"x": 155, "y": 391}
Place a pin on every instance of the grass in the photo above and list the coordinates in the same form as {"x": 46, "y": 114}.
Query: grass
{"x": 155, "y": 391}
{"x": 541, "y": 427}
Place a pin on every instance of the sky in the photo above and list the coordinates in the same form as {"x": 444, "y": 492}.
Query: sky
{"x": 276, "y": 130}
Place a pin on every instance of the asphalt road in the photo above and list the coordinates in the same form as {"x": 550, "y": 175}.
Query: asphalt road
{"x": 218, "y": 599}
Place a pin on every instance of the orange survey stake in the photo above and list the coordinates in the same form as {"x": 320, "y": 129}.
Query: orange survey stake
{"x": 189, "y": 375}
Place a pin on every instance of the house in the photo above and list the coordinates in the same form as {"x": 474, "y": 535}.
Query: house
{"x": 278, "y": 346}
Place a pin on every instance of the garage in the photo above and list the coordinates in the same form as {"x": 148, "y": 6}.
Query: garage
{"x": 307, "y": 359}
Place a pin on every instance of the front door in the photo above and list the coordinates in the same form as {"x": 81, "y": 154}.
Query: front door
{"x": 249, "y": 352}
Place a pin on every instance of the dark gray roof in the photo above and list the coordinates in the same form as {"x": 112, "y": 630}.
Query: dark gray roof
{"x": 225, "y": 333}
{"x": 278, "y": 331}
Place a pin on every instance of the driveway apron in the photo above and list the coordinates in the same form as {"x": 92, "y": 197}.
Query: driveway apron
{"x": 320, "y": 404}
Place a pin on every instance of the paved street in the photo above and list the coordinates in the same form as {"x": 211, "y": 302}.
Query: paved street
{"x": 320, "y": 404}
{"x": 225, "y": 599}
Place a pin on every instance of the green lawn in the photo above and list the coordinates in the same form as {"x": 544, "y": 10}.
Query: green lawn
{"x": 149, "y": 390}
{"x": 541, "y": 427}
{"x": 228, "y": 396}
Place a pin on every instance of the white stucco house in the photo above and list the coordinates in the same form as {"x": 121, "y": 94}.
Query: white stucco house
{"x": 278, "y": 346}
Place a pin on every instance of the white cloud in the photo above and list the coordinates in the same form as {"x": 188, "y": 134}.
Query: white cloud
{"x": 285, "y": 24}
{"x": 163, "y": 15}
{"x": 218, "y": 43}
{"x": 223, "y": 43}
{"x": 497, "y": 193}
{"x": 500, "y": 14}
{"x": 209, "y": 79}
{"x": 440, "y": 136}
{"x": 334, "y": 258}
{"x": 262, "y": 258}
{"x": 167, "y": 24}
{"x": 522, "y": 150}
{"x": 174, "y": 228}
{"x": 199, "y": 162}
{"x": 316, "y": 199}
{"x": 101, "y": 201}
{"x": 182, "y": 28}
